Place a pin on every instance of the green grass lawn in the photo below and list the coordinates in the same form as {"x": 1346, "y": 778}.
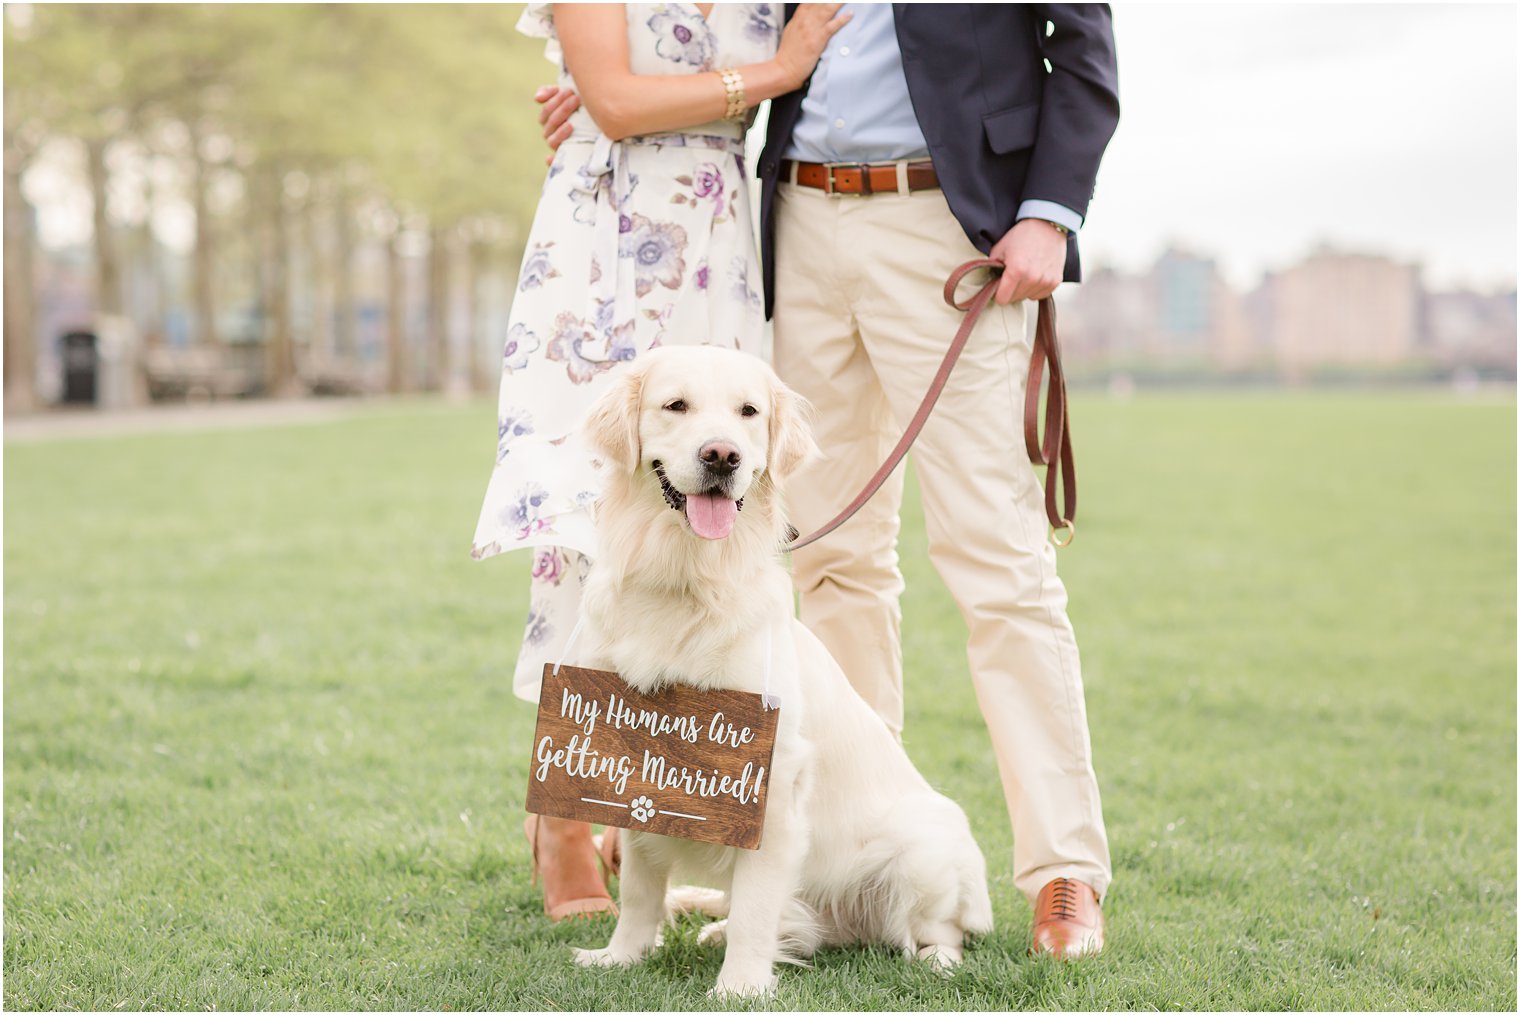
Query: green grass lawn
{"x": 261, "y": 749}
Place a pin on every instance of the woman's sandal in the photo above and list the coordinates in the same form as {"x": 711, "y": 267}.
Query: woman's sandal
{"x": 586, "y": 906}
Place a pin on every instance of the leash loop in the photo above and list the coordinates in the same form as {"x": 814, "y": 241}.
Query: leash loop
{"x": 953, "y": 283}
{"x": 1053, "y": 451}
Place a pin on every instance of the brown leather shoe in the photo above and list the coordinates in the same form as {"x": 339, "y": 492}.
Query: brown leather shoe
{"x": 1068, "y": 921}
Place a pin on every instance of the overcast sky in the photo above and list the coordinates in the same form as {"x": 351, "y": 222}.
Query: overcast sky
{"x": 1255, "y": 131}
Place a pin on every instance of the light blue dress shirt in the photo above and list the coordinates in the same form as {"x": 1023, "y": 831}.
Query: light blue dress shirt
{"x": 857, "y": 108}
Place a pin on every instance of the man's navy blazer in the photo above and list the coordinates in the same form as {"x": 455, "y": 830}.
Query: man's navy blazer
{"x": 1001, "y": 128}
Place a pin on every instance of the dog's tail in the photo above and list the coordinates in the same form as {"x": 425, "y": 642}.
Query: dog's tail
{"x": 923, "y": 871}
{"x": 801, "y": 933}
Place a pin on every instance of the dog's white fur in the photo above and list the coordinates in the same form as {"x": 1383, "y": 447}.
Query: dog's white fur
{"x": 857, "y": 846}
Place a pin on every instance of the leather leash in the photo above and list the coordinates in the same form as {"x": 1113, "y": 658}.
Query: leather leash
{"x": 1054, "y": 451}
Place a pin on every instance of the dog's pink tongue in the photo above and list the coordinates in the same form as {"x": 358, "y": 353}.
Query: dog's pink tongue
{"x": 711, "y": 516}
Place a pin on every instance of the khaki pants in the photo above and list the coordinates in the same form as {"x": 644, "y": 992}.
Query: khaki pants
{"x": 860, "y": 327}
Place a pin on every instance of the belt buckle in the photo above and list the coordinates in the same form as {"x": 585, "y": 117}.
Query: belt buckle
{"x": 828, "y": 177}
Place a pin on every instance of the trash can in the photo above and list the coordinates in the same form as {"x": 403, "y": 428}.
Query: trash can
{"x": 81, "y": 367}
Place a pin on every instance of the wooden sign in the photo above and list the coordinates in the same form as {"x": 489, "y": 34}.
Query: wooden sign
{"x": 681, "y": 762}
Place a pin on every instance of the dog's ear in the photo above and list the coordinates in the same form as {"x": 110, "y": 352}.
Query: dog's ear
{"x": 791, "y": 432}
{"x": 612, "y": 426}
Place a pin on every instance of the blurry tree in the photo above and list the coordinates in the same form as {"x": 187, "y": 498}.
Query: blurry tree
{"x": 99, "y": 74}
{"x": 20, "y": 275}
{"x": 306, "y": 114}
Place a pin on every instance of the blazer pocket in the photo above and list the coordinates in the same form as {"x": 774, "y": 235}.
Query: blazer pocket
{"x": 1008, "y": 130}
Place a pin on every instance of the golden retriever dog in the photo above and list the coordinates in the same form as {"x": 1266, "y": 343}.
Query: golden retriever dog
{"x": 690, "y": 588}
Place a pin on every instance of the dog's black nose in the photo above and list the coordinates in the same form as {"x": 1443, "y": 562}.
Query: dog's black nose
{"x": 719, "y": 457}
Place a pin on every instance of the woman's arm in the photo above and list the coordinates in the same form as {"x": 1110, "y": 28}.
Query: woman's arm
{"x": 623, "y": 104}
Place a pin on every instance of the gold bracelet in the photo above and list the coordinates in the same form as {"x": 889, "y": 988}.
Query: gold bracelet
{"x": 733, "y": 88}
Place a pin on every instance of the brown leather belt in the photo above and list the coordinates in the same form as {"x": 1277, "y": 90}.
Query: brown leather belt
{"x": 860, "y": 179}
{"x": 1054, "y": 452}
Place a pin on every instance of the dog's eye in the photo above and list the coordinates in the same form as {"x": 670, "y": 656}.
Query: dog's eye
{"x": 676, "y": 406}
{"x": 749, "y": 410}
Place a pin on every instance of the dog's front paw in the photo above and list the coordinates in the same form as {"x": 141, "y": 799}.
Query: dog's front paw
{"x": 743, "y": 986}
{"x": 590, "y": 957}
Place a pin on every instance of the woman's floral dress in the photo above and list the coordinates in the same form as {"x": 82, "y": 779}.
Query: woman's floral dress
{"x": 637, "y": 243}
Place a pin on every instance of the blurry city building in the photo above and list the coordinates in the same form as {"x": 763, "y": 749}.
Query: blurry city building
{"x": 1471, "y": 329}
{"x": 1344, "y": 310}
{"x": 1333, "y": 315}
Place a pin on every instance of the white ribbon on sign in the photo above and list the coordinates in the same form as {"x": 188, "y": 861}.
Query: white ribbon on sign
{"x": 569, "y": 642}
{"x": 768, "y": 700}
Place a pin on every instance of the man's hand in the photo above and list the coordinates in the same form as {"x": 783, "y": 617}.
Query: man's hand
{"x": 1033, "y": 253}
{"x": 557, "y": 104}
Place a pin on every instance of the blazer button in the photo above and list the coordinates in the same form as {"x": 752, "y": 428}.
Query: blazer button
{"x": 770, "y": 166}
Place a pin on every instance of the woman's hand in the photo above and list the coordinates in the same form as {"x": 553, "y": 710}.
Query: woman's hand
{"x": 805, "y": 36}
{"x": 558, "y": 103}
